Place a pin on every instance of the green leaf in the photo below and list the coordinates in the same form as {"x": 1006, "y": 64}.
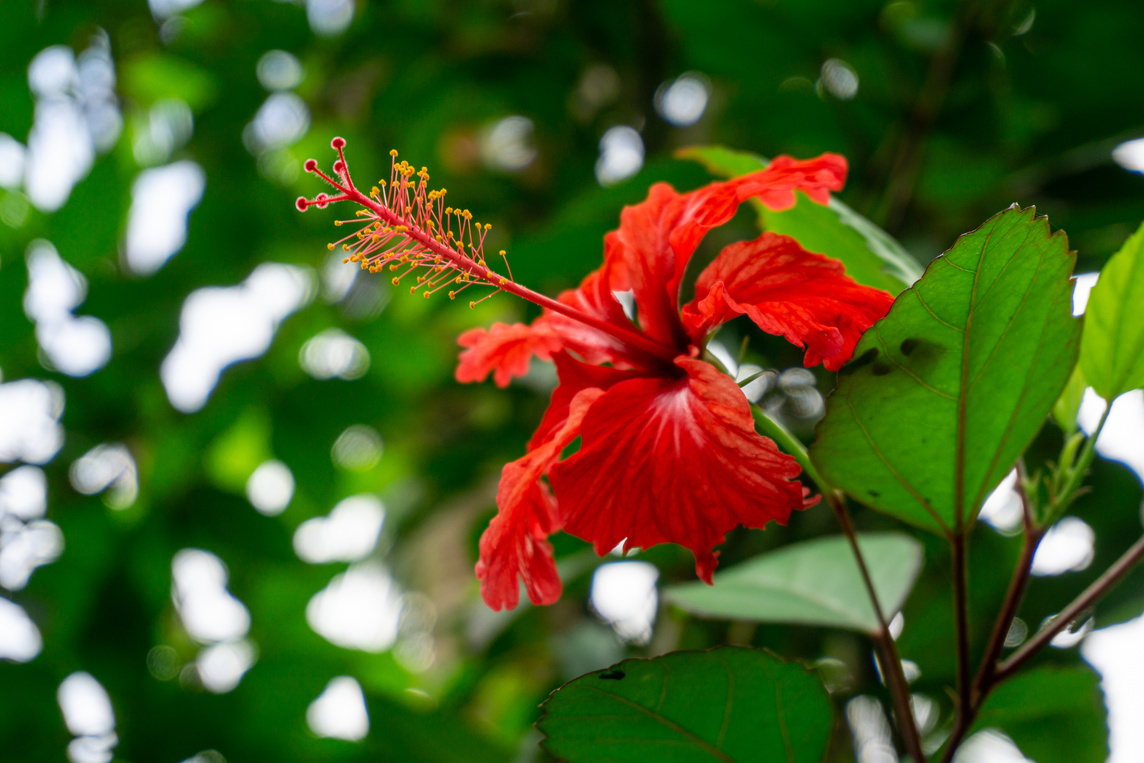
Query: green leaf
{"x": 871, "y": 256}
{"x": 814, "y": 583}
{"x": 950, "y": 387}
{"x": 727, "y": 704}
{"x": 1052, "y": 714}
{"x": 1112, "y": 352}
{"x": 1068, "y": 404}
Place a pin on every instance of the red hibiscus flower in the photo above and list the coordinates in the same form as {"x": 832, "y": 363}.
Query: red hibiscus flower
{"x": 668, "y": 450}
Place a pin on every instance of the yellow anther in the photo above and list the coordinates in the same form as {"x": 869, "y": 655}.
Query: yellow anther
{"x": 338, "y": 223}
{"x": 502, "y": 282}
{"x": 452, "y": 295}
{"x": 345, "y": 247}
{"x": 345, "y": 260}
{"x": 381, "y": 183}
{"x": 503, "y": 252}
{"x": 330, "y": 247}
{"x": 412, "y": 289}
{"x": 374, "y": 191}
{"x": 396, "y": 280}
{"x": 472, "y": 305}
{"x": 426, "y": 295}
{"x": 488, "y": 226}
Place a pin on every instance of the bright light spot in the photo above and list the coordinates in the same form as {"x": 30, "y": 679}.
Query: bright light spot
{"x": 223, "y": 325}
{"x": 339, "y": 711}
{"x": 87, "y": 712}
{"x": 348, "y": 534}
{"x": 839, "y": 79}
{"x": 23, "y": 494}
{"x": 755, "y": 390}
{"x": 209, "y": 612}
{"x": 76, "y": 346}
{"x": 19, "y": 637}
{"x": 279, "y": 70}
{"x": 55, "y": 288}
{"x": 1130, "y": 155}
{"x": 1116, "y": 653}
{"x": 169, "y": 125}
{"x": 1067, "y": 547}
{"x": 1002, "y": 509}
{"x": 270, "y": 488}
{"x": 683, "y": 101}
{"x": 623, "y": 593}
{"x": 358, "y": 448}
{"x": 1122, "y": 438}
{"x": 107, "y": 467}
{"x": 926, "y": 712}
{"x": 164, "y": 8}
{"x": 870, "y": 730}
{"x": 161, "y": 200}
{"x": 621, "y": 155}
{"x": 1072, "y": 635}
{"x": 897, "y": 625}
{"x": 30, "y": 421}
{"x": 1017, "y": 633}
{"x": 11, "y": 161}
{"x": 801, "y": 398}
{"x": 207, "y": 756}
{"x": 222, "y": 666}
{"x": 76, "y": 113}
{"x": 334, "y": 353}
{"x": 508, "y": 145}
{"x": 329, "y": 18}
{"x": 281, "y": 121}
{"x": 24, "y": 547}
{"x": 1082, "y": 287}
{"x": 359, "y": 609}
{"x": 989, "y": 746}
{"x": 337, "y": 277}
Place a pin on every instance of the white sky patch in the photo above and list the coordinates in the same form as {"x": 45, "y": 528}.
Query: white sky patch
{"x": 12, "y": 155}
{"x": 210, "y": 613}
{"x": 337, "y": 277}
{"x": 1067, "y": 547}
{"x": 1122, "y": 438}
{"x": 76, "y": 114}
{"x": 359, "y": 609}
{"x": 23, "y": 494}
{"x": 1002, "y": 509}
{"x": 871, "y": 731}
{"x": 839, "y": 79}
{"x": 24, "y": 547}
{"x": 30, "y": 428}
{"x": 270, "y": 488}
{"x": 223, "y": 325}
{"x": 621, "y": 155}
{"x": 20, "y": 639}
{"x": 683, "y": 100}
{"x": 348, "y": 534}
{"x": 624, "y": 594}
{"x": 989, "y": 746}
{"x": 282, "y": 120}
{"x": 1082, "y": 287}
{"x": 334, "y": 354}
{"x": 88, "y": 714}
{"x": 107, "y": 467}
{"x": 1116, "y": 653}
{"x": 164, "y": 8}
{"x": 508, "y": 145}
{"x": 339, "y": 711}
{"x": 76, "y": 346}
{"x": 161, "y": 201}
{"x": 1130, "y": 155}
{"x": 222, "y": 666}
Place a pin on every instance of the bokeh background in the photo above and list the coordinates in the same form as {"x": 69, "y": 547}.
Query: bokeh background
{"x": 240, "y": 491}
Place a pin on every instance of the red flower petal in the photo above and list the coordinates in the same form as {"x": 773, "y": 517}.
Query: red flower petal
{"x": 515, "y": 543}
{"x": 574, "y": 376}
{"x": 656, "y": 238}
{"x": 673, "y": 460}
{"x": 806, "y": 298}
{"x": 505, "y": 350}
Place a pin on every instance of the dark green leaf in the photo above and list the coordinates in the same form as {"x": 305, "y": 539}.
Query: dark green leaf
{"x": 946, "y": 391}
{"x": 816, "y": 583}
{"x": 727, "y": 704}
{"x": 1112, "y": 353}
{"x": 871, "y": 256}
{"x": 1052, "y": 714}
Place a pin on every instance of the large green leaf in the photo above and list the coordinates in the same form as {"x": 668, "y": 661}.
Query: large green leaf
{"x": 1112, "y": 353}
{"x": 816, "y": 583}
{"x": 727, "y": 704}
{"x": 1054, "y": 715}
{"x": 950, "y": 387}
{"x": 871, "y": 256}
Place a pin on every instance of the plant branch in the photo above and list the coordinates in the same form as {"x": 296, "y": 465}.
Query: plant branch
{"x": 1102, "y": 585}
{"x": 888, "y": 659}
{"x": 961, "y": 621}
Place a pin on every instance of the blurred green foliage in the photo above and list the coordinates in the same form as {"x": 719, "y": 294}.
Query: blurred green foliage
{"x": 960, "y": 110}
